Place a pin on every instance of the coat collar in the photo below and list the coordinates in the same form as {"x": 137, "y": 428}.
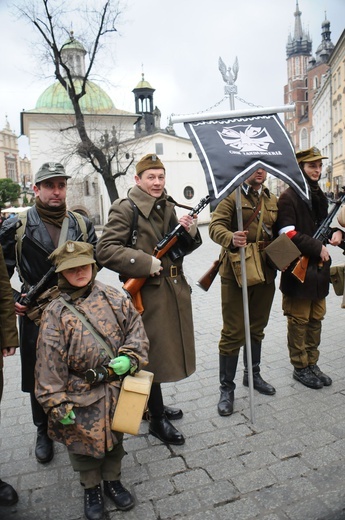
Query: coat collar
{"x": 247, "y": 189}
{"x": 146, "y": 202}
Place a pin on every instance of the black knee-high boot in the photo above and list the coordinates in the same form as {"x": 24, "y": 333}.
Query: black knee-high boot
{"x": 259, "y": 384}
{"x": 227, "y": 372}
{"x": 44, "y": 450}
{"x": 160, "y": 426}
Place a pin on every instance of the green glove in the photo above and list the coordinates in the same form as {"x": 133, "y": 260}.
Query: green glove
{"x": 68, "y": 419}
{"x": 120, "y": 365}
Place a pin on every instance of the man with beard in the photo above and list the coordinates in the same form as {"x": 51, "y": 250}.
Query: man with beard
{"x": 259, "y": 209}
{"x": 45, "y": 226}
{"x": 304, "y": 304}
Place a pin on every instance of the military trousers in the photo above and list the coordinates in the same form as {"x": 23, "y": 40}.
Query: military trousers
{"x": 304, "y": 319}
{"x": 92, "y": 471}
{"x": 260, "y": 298}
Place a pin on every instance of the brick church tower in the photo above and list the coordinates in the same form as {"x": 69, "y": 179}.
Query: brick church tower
{"x": 305, "y": 75}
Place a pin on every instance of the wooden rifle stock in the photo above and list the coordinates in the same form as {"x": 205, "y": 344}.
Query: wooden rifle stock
{"x": 207, "y": 279}
{"x": 133, "y": 285}
{"x": 300, "y": 269}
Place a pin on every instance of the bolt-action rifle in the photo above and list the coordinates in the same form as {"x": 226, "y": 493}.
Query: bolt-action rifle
{"x": 323, "y": 233}
{"x": 133, "y": 285}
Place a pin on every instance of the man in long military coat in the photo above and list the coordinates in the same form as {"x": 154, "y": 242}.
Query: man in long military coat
{"x": 166, "y": 296}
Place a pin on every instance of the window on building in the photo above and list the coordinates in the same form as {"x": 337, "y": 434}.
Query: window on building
{"x": 159, "y": 148}
{"x": 11, "y": 170}
{"x": 340, "y": 111}
{"x": 190, "y": 155}
{"x": 87, "y": 188}
{"x": 188, "y": 192}
{"x": 304, "y": 139}
{"x": 341, "y": 144}
{"x": 298, "y": 67}
{"x": 316, "y": 82}
{"x": 78, "y": 65}
{"x": 335, "y": 148}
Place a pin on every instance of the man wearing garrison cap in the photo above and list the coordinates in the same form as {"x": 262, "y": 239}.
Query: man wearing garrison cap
{"x": 304, "y": 304}
{"x": 166, "y": 298}
{"x": 44, "y": 226}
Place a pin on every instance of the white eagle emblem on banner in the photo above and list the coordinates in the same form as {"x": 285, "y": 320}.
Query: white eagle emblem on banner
{"x": 246, "y": 138}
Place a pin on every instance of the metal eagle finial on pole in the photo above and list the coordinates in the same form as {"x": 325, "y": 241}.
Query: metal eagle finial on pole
{"x": 229, "y": 76}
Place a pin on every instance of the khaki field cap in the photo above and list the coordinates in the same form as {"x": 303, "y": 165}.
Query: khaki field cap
{"x": 49, "y": 170}
{"x": 148, "y": 162}
{"x": 72, "y": 254}
{"x": 312, "y": 154}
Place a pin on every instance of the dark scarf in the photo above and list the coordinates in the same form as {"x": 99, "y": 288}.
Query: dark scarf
{"x": 76, "y": 292}
{"x": 54, "y": 216}
{"x": 319, "y": 201}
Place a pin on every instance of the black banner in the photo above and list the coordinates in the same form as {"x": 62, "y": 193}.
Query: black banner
{"x": 230, "y": 150}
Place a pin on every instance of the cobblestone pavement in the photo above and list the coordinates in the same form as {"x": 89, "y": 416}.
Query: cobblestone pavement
{"x": 286, "y": 465}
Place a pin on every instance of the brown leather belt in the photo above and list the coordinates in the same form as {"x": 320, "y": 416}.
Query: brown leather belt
{"x": 172, "y": 271}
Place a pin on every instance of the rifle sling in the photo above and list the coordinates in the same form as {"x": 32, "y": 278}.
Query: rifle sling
{"x": 253, "y": 216}
{"x": 88, "y": 325}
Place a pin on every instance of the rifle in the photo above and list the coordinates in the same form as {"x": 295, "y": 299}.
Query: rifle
{"x": 36, "y": 290}
{"x": 133, "y": 285}
{"x": 323, "y": 233}
{"x": 207, "y": 279}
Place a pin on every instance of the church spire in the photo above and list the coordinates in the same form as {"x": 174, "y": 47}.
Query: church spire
{"x": 326, "y": 46}
{"x": 301, "y": 42}
{"x": 298, "y": 33}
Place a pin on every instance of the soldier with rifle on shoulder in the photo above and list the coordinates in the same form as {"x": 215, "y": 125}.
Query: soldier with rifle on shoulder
{"x": 135, "y": 225}
{"x": 304, "y": 297}
{"x": 27, "y": 242}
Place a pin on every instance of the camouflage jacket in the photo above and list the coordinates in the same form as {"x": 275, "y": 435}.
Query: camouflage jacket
{"x": 66, "y": 349}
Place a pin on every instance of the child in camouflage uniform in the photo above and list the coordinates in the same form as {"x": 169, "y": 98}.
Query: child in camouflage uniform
{"x": 80, "y": 412}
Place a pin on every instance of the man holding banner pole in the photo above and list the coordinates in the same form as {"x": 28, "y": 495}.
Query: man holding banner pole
{"x": 231, "y": 147}
{"x": 259, "y": 210}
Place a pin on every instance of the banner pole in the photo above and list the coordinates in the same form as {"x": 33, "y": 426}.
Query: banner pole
{"x": 246, "y": 317}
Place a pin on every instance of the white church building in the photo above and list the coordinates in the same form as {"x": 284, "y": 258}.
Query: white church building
{"x": 50, "y": 128}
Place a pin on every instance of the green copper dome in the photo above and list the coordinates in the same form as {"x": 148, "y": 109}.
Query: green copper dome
{"x": 55, "y": 100}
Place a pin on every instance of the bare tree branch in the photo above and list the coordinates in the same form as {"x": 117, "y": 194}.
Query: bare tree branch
{"x": 50, "y": 23}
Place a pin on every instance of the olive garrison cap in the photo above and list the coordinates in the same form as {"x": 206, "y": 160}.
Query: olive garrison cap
{"x": 312, "y": 154}
{"x": 148, "y": 162}
{"x": 72, "y": 254}
{"x": 49, "y": 170}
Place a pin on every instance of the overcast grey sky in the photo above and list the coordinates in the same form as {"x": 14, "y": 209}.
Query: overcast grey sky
{"x": 176, "y": 43}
